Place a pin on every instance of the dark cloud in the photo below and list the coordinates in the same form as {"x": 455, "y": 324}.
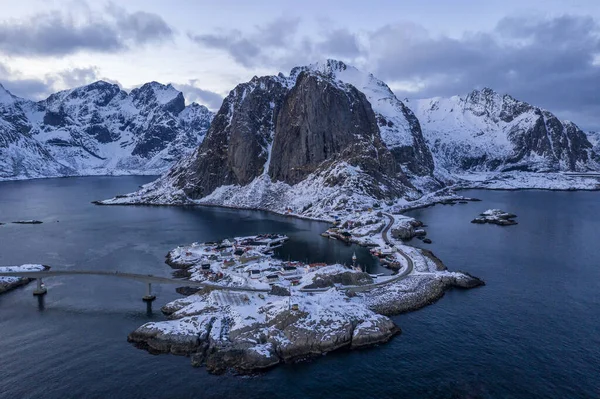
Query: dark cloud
{"x": 192, "y": 93}
{"x": 34, "y": 89}
{"x": 255, "y": 48}
{"x": 79, "y": 76}
{"x": 57, "y": 33}
{"x": 339, "y": 42}
{"x": 242, "y": 50}
{"x": 142, "y": 27}
{"x": 279, "y": 44}
{"x": 547, "y": 62}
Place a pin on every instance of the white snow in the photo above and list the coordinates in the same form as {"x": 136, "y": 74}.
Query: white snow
{"x": 50, "y": 151}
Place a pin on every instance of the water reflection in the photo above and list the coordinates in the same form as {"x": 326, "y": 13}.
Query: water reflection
{"x": 41, "y": 299}
{"x": 148, "y": 308}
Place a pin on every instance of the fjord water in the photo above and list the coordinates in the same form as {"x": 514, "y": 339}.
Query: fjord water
{"x": 533, "y": 331}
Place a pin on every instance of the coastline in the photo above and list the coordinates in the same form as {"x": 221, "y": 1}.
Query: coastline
{"x": 352, "y": 317}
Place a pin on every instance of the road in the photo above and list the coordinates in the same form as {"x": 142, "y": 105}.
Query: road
{"x": 387, "y": 228}
{"x": 400, "y": 276}
{"x": 145, "y": 278}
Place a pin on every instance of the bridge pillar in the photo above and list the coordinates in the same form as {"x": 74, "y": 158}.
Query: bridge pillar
{"x": 40, "y": 289}
{"x": 149, "y": 297}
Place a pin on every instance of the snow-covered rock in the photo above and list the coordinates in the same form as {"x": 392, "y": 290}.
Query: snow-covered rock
{"x": 488, "y": 132}
{"x": 98, "y": 129}
{"x": 327, "y": 137}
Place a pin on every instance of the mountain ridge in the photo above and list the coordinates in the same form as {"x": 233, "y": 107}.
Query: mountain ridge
{"x": 485, "y": 131}
{"x": 98, "y": 129}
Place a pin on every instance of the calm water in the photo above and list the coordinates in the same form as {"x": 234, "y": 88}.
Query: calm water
{"x": 533, "y": 331}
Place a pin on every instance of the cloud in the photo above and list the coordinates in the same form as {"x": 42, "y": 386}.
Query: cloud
{"x": 547, "y": 62}
{"x": 340, "y": 42}
{"x": 279, "y": 43}
{"x": 78, "y": 76}
{"x": 254, "y": 48}
{"x": 550, "y": 62}
{"x": 36, "y": 89}
{"x": 41, "y": 88}
{"x": 56, "y": 33}
{"x": 192, "y": 93}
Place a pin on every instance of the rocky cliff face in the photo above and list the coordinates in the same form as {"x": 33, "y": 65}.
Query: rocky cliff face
{"x": 400, "y": 130}
{"x": 321, "y": 123}
{"x": 98, "y": 129}
{"x": 316, "y": 136}
{"x": 486, "y": 131}
{"x": 238, "y": 144}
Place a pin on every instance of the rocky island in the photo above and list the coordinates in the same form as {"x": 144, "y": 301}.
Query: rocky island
{"x": 495, "y": 216}
{"x": 258, "y": 311}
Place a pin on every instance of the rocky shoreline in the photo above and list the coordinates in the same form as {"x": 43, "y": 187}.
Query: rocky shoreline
{"x": 311, "y": 309}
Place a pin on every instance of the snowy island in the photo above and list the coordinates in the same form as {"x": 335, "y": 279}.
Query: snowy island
{"x": 495, "y": 216}
{"x": 259, "y": 311}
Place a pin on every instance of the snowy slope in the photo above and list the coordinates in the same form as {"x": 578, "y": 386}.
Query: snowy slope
{"x": 98, "y": 129}
{"x": 485, "y": 131}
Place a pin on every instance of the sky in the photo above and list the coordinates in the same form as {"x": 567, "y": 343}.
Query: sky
{"x": 544, "y": 52}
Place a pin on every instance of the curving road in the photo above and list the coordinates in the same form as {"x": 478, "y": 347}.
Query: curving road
{"x": 387, "y": 228}
{"x": 400, "y": 276}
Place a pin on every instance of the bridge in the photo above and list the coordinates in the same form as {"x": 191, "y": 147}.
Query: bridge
{"x": 148, "y": 279}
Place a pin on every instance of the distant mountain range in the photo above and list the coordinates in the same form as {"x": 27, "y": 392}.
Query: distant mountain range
{"x": 485, "y": 131}
{"x": 98, "y": 129}
{"x": 329, "y": 136}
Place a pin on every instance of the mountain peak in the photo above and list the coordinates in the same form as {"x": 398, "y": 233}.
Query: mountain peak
{"x": 484, "y": 93}
{"x": 163, "y": 94}
{"x": 328, "y": 67}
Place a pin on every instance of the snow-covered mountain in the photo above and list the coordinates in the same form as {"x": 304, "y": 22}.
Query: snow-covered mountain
{"x": 327, "y": 136}
{"x": 488, "y": 132}
{"x": 98, "y": 129}
{"x": 594, "y": 139}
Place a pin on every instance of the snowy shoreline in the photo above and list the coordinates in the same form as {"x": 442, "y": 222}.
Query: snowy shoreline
{"x": 303, "y": 311}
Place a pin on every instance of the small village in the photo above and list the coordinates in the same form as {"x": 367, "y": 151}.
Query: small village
{"x": 248, "y": 262}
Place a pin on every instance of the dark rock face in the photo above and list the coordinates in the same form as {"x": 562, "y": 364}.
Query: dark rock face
{"x": 235, "y": 148}
{"x": 417, "y": 157}
{"x": 346, "y": 278}
{"x": 398, "y": 126}
{"x": 318, "y": 123}
{"x": 308, "y": 124}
